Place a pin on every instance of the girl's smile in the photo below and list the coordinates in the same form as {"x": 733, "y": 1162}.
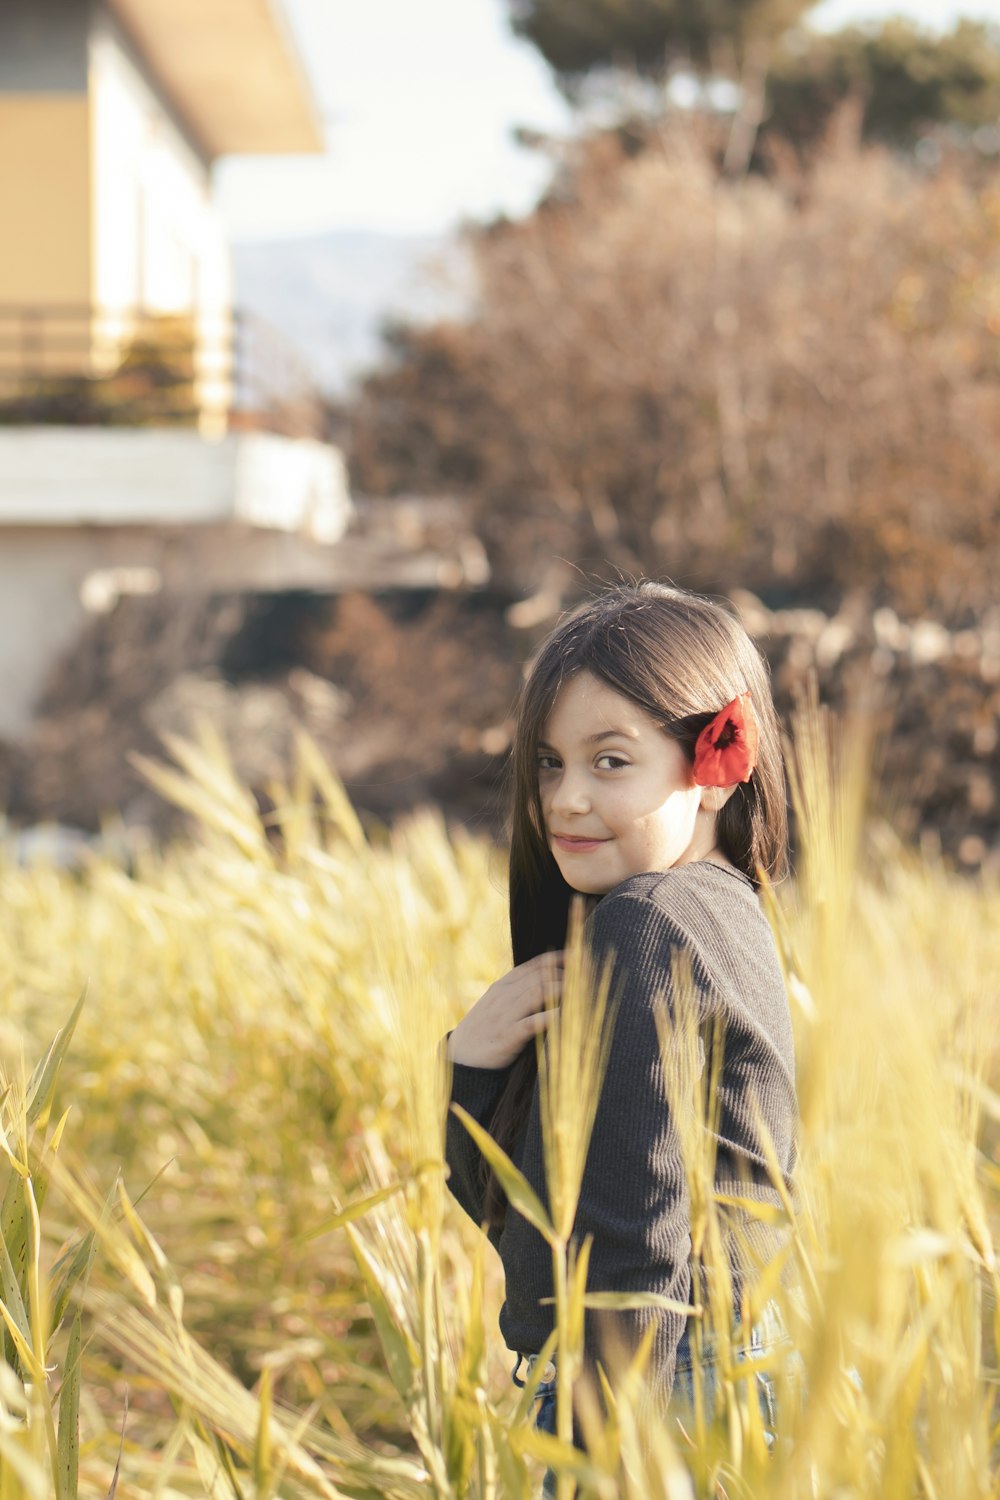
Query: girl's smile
{"x": 576, "y": 845}
{"x": 618, "y": 794}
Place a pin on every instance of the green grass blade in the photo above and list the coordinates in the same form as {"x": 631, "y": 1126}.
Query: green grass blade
{"x": 355, "y": 1210}
{"x": 12, "y": 1296}
{"x": 22, "y": 1346}
{"x": 262, "y": 1456}
{"x": 401, "y": 1357}
{"x": 68, "y": 1450}
{"x": 41, "y": 1085}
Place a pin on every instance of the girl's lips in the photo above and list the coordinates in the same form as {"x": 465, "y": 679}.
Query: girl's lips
{"x": 575, "y": 845}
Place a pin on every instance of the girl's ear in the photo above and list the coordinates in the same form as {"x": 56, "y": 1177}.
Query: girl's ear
{"x": 714, "y": 798}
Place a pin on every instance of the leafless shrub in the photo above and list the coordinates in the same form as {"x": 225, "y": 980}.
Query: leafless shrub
{"x": 788, "y": 383}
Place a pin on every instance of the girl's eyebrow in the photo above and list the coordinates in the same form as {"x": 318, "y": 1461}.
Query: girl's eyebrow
{"x": 593, "y": 739}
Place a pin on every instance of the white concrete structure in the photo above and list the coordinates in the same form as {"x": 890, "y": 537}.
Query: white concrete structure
{"x": 115, "y": 294}
{"x": 114, "y": 268}
{"x": 99, "y": 476}
{"x": 87, "y": 514}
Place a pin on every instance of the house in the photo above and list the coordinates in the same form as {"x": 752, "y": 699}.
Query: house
{"x": 148, "y": 437}
{"x": 112, "y": 113}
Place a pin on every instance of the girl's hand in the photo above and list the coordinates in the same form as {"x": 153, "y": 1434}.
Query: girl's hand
{"x": 504, "y": 1020}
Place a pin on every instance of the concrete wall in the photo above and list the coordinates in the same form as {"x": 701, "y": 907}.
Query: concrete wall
{"x": 41, "y": 614}
{"x": 86, "y": 512}
{"x": 158, "y": 239}
{"x": 113, "y": 477}
{"x": 52, "y": 578}
{"x": 45, "y": 220}
{"x": 45, "y": 225}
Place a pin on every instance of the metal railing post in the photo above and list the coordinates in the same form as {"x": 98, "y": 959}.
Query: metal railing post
{"x": 242, "y": 372}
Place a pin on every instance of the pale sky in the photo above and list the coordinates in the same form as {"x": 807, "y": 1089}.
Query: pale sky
{"x": 418, "y": 102}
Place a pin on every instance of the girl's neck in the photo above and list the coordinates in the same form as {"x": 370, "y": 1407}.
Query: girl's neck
{"x": 716, "y": 857}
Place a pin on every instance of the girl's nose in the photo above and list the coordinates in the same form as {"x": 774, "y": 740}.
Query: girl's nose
{"x": 570, "y": 796}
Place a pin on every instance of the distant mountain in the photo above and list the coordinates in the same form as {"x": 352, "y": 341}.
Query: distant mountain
{"x": 329, "y": 294}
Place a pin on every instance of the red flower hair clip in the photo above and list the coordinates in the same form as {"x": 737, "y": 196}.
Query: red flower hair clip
{"x": 726, "y": 749}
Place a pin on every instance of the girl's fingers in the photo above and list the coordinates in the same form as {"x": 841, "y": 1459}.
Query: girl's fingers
{"x": 539, "y": 1021}
{"x": 526, "y": 988}
{"x": 548, "y": 984}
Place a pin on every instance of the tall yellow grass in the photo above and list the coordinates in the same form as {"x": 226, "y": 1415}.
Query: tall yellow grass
{"x": 265, "y": 1288}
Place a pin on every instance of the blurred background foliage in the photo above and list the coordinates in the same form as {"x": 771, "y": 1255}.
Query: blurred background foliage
{"x": 745, "y": 343}
{"x": 789, "y": 382}
{"x": 906, "y": 83}
{"x": 749, "y": 341}
{"x": 906, "y": 78}
{"x": 577, "y": 38}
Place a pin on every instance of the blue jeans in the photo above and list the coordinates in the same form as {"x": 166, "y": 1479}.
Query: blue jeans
{"x": 545, "y": 1411}
{"x": 766, "y": 1334}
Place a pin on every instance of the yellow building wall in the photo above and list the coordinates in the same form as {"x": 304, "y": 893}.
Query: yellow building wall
{"x": 45, "y": 198}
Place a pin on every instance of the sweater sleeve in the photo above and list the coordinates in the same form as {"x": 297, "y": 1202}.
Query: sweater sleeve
{"x": 478, "y": 1091}
{"x": 634, "y": 1197}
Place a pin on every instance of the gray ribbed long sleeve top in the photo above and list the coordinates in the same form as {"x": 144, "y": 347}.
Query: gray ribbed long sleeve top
{"x": 634, "y": 1195}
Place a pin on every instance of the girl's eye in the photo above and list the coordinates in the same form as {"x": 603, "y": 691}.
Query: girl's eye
{"x": 548, "y": 762}
{"x": 611, "y": 762}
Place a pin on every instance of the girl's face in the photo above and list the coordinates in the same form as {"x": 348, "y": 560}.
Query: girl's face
{"x": 618, "y": 795}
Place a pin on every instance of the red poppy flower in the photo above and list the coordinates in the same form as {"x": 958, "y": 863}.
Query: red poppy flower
{"x": 726, "y": 750}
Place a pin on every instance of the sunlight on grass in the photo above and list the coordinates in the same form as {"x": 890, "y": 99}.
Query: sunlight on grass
{"x": 241, "y": 1227}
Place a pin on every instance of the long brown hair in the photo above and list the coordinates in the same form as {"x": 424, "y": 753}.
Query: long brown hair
{"x": 681, "y": 657}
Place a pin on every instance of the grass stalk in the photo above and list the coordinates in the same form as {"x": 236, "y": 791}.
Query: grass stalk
{"x": 254, "y": 1063}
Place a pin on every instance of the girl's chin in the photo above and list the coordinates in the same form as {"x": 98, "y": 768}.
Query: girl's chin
{"x": 585, "y": 887}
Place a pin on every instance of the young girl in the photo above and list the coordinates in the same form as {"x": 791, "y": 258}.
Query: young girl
{"x": 647, "y": 775}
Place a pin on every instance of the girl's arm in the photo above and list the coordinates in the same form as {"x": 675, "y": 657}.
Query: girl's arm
{"x": 477, "y": 1090}
{"x": 489, "y": 1039}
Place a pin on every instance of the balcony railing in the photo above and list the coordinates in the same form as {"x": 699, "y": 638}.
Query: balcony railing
{"x": 90, "y": 366}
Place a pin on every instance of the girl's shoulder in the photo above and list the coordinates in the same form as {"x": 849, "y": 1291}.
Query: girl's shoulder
{"x": 711, "y": 914}
{"x": 709, "y": 908}
{"x": 688, "y": 887}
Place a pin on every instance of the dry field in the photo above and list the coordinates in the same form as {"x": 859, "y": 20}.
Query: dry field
{"x": 230, "y": 1266}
